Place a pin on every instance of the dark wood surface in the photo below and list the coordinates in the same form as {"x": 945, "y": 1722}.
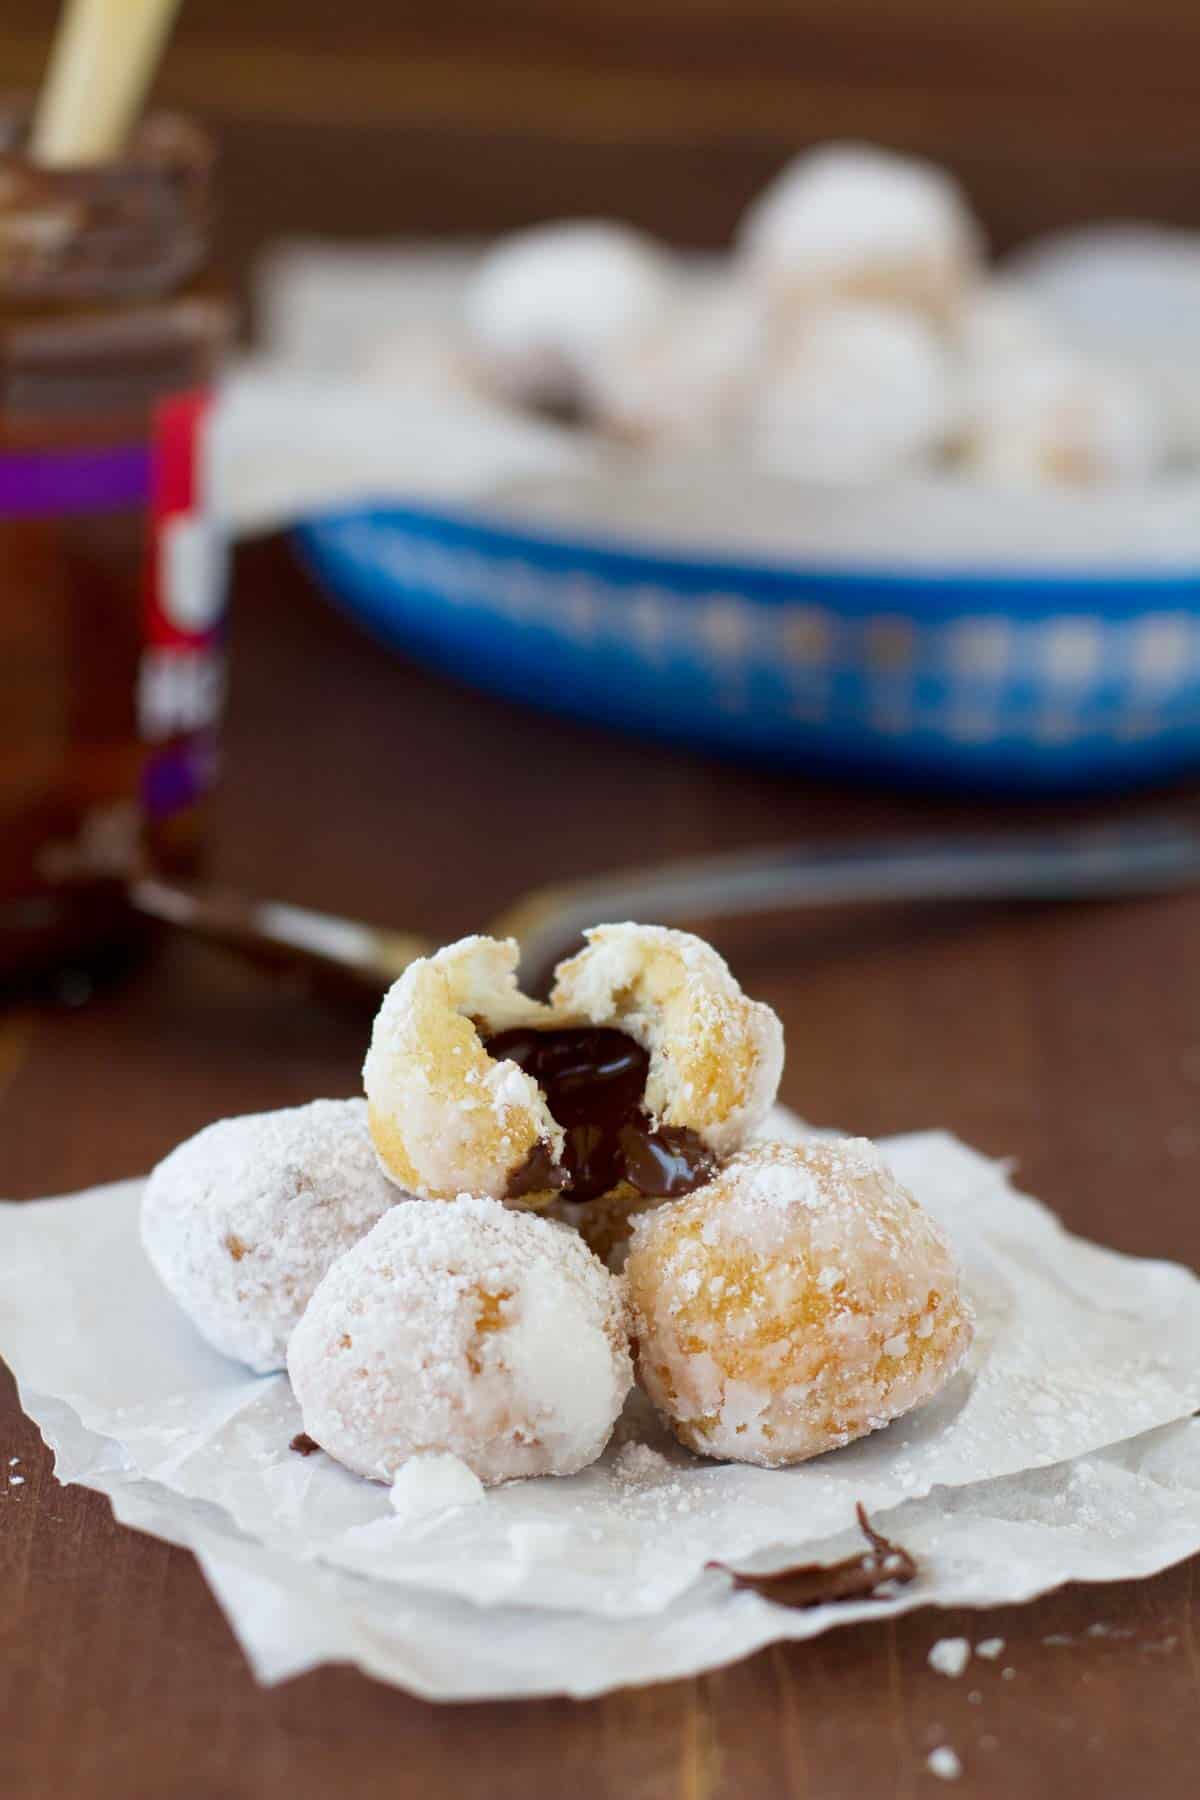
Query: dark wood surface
{"x": 1068, "y": 1038}
{"x": 366, "y": 118}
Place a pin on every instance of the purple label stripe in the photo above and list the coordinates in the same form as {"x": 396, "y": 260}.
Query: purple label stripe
{"x": 74, "y": 481}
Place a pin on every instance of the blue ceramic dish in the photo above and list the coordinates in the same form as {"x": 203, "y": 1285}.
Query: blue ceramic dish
{"x": 1001, "y": 680}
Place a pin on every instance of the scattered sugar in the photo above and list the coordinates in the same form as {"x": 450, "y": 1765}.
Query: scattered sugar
{"x": 13, "y": 1461}
{"x": 638, "y": 1465}
{"x": 16, "y": 1481}
{"x": 990, "y": 1648}
{"x": 1008, "y": 1674}
{"x": 943, "y": 1763}
{"x": 896, "y": 1346}
{"x": 950, "y": 1656}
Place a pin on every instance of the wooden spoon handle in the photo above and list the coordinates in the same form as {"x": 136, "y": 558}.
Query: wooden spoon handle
{"x": 104, "y": 58}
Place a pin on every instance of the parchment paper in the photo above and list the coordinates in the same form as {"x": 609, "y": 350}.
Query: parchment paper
{"x": 1077, "y": 1349}
{"x": 1127, "y": 1511}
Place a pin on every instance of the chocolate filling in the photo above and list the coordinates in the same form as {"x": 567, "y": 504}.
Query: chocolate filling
{"x": 303, "y": 1445}
{"x": 594, "y": 1080}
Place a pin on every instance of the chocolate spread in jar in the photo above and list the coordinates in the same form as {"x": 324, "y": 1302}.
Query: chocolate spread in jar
{"x": 111, "y": 639}
{"x": 594, "y": 1080}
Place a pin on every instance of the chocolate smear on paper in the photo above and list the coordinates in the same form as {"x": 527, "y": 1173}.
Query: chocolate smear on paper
{"x": 880, "y": 1567}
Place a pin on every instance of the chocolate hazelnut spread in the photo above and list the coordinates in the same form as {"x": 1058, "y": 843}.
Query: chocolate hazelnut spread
{"x": 594, "y": 1080}
{"x": 110, "y": 596}
{"x": 876, "y": 1571}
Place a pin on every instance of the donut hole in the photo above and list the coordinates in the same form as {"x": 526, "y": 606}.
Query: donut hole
{"x": 593, "y": 1079}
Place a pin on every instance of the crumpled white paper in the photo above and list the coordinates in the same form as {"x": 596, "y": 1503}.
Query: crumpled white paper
{"x": 1127, "y": 1511}
{"x": 1077, "y": 1349}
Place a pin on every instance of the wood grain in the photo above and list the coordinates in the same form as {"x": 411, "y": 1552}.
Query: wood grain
{"x": 376, "y": 120}
{"x": 1068, "y": 1038}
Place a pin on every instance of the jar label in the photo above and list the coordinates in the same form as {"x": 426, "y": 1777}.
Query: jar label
{"x": 34, "y": 483}
{"x": 181, "y": 682}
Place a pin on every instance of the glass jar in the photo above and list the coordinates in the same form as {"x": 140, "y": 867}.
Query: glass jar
{"x": 111, "y": 573}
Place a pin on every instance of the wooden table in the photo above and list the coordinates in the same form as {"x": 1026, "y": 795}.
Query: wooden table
{"x": 1067, "y": 1038}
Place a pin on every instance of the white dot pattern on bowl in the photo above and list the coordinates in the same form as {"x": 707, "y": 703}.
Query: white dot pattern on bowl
{"x": 967, "y": 680}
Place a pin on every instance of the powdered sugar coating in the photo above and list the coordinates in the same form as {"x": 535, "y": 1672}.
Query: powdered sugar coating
{"x": 800, "y": 1300}
{"x": 715, "y": 1056}
{"x": 470, "y": 1329}
{"x": 681, "y": 382}
{"x": 854, "y": 220}
{"x": 854, "y": 391}
{"x": 1044, "y": 414}
{"x": 445, "y": 1117}
{"x": 242, "y": 1220}
{"x": 545, "y": 303}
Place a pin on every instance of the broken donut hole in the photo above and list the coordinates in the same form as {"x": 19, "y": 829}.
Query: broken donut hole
{"x": 594, "y": 1081}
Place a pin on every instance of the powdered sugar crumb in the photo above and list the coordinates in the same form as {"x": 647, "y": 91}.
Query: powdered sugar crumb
{"x": 991, "y": 1647}
{"x": 434, "y": 1483}
{"x": 639, "y": 1465}
{"x": 950, "y": 1656}
{"x": 943, "y": 1763}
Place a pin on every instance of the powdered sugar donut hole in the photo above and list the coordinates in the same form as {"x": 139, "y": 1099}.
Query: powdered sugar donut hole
{"x": 491, "y": 1335}
{"x": 799, "y": 1301}
{"x": 545, "y": 304}
{"x": 681, "y": 382}
{"x": 856, "y": 391}
{"x": 242, "y": 1220}
{"x": 854, "y": 220}
{"x": 1050, "y": 415}
{"x": 457, "y": 1106}
{"x": 1000, "y": 321}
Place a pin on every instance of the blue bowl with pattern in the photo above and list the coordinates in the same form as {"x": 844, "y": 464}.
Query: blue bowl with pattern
{"x": 992, "y": 678}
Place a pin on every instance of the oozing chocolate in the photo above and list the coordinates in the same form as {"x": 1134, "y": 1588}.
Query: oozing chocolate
{"x": 594, "y": 1080}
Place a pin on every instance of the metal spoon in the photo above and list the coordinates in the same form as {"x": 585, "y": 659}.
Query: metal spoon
{"x": 1090, "y": 862}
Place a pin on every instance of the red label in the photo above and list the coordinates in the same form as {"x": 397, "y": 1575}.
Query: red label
{"x": 181, "y": 681}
